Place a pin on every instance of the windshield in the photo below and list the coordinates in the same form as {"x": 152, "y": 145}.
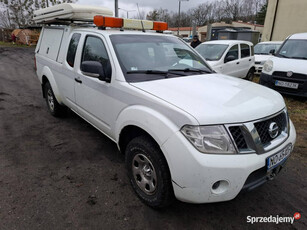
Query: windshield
{"x": 151, "y": 57}
{"x": 294, "y": 48}
{"x": 265, "y": 48}
{"x": 211, "y": 52}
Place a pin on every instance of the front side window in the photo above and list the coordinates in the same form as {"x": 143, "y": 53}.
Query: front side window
{"x": 211, "y": 52}
{"x": 72, "y": 49}
{"x": 233, "y": 51}
{"x": 294, "y": 48}
{"x": 245, "y": 50}
{"x": 94, "y": 50}
{"x": 151, "y": 57}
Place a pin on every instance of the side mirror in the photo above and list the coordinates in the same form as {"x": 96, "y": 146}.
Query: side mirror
{"x": 272, "y": 52}
{"x": 230, "y": 58}
{"x": 96, "y": 70}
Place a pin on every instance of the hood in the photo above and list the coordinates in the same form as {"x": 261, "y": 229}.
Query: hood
{"x": 288, "y": 64}
{"x": 262, "y": 57}
{"x": 216, "y": 98}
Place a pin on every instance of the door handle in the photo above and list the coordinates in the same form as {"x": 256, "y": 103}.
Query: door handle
{"x": 238, "y": 63}
{"x": 78, "y": 80}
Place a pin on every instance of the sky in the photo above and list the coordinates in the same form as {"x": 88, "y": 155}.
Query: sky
{"x": 144, "y": 5}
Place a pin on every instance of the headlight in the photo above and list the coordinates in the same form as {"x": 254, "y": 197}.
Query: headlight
{"x": 268, "y": 66}
{"x": 209, "y": 139}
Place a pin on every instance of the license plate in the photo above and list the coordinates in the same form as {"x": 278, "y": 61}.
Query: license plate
{"x": 278, "y": 158}
{"x": 286, "y": 84}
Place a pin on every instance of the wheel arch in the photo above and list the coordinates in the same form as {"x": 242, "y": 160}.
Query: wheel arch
{"x": 47, "y": 76}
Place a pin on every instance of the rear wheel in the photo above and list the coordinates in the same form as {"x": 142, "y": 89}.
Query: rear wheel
{"x": 53, "y": 106}
{"x": 148, "y": 172}
{"x": 250, "y": 75}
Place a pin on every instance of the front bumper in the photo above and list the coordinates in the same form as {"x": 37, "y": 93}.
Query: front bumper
{"x": 194, "y": 174}
{"x": 258, "y": 69}
{"x": 269, "y": 81}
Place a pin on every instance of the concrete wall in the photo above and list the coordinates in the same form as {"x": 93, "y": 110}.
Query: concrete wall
{"x": 290, "y": 17}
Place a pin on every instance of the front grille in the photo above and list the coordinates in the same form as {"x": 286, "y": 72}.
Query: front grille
{"x": 238, "y": 137}
{"x": 294, "y": 76}
{"x": 258, "y": 62}
{"x": 263, "y": 127}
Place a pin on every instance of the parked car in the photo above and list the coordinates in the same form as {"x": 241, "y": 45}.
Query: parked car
{"x": 231, "y": 57}
{"x": 263, "y": 52}
{"x": 187, "y": 40}
{"x": 286, "y": 72}
{"x": 185, "y": 131}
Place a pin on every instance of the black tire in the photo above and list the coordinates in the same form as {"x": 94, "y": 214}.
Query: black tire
{"x": 160, "y": 193}
{"x": 54, "y": 107}
{"x": 250, "y": 75}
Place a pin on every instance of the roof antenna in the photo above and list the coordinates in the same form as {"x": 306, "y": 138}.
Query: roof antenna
{"x": 143, "y": 30}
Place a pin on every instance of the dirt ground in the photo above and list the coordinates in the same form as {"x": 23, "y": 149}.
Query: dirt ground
{"x": 64, "y": 174}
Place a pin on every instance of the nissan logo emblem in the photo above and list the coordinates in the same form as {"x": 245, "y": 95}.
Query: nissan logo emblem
{"x": 289, "y": 74}
{"x": 273, "y": 130}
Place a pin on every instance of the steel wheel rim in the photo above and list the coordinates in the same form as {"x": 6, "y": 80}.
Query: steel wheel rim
{"x": 144, "y": 174}
{"x": 50, "y": 99}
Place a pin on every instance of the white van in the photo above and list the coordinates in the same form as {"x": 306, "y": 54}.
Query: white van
{"x": 286, "y": 71}
{"x": 263, "y": 52}
{"x": 231, "y": 57}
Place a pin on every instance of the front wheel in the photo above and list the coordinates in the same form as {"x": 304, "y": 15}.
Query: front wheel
{"x": 148, "y": 172}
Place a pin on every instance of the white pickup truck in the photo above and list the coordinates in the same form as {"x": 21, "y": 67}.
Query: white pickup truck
{"x": 186, "y": 131}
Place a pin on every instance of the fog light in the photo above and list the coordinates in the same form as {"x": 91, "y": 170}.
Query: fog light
{"x": 216, "y": 185}
{"x": 220, "y": 187}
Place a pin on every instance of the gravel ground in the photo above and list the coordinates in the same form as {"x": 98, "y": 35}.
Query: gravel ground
{"x": 64, "y": 174}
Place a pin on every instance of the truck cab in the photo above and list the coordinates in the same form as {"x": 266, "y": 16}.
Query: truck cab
{"x": 186, "y": 131}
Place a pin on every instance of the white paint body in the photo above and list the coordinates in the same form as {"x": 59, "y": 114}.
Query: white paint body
{"x": 260, "y": 59}
{"x": 162, "y": 108}
{"x": 236, "y": 68}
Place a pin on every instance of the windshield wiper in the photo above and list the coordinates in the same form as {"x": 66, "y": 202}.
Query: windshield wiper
{"x": 150, "y": 71}
{"x": 192, "y": 70}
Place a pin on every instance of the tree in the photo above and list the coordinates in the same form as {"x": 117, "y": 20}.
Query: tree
{"x": 20, "y": 12}
{"x": 260, "y": 17}
{"x": 152, "y": 15}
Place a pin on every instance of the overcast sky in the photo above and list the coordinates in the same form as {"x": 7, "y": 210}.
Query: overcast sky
{"x": 146, "y": 5}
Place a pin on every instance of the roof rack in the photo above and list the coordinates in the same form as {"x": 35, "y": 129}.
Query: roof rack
{"x": 81, "y": 15}
{"x": 68, "y": 13}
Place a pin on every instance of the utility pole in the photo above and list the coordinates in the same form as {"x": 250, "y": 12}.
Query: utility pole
{"x": 116, "y": 8}
{"x": 179, "y": 15}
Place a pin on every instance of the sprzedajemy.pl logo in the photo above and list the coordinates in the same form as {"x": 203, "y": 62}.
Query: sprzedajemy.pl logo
{"x": 273, "y": 219}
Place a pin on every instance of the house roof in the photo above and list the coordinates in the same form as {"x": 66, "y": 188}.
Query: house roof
{"x": 182, "y": 28}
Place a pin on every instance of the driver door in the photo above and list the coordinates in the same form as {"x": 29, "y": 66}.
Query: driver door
{"x": 93, "y": 95}
{"x": 232, "y": 68}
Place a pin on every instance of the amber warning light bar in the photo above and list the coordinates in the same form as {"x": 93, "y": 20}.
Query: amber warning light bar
{"x": 102, "y": 21}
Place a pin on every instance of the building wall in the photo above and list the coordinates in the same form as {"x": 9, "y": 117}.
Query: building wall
{"x": 290, "y": 17}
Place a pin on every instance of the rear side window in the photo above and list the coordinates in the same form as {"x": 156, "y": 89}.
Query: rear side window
{"x": 94, "y": 50}
{"x": 72, "y": 49}
{"x": 233, "y": 51}
{"x": 245, "y": 51}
